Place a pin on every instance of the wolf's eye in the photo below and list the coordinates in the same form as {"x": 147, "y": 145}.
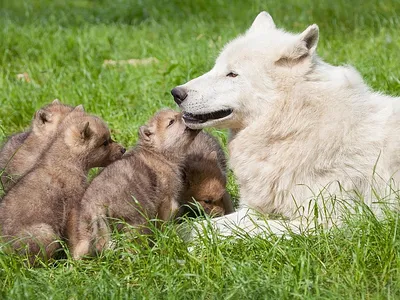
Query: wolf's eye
{"x": 171, "y": 122}
{"x": 106, "y": 142}
{"x": 207, "y": 201}
{"x": 231, "y": 74}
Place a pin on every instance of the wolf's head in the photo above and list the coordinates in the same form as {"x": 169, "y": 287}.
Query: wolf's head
{"x": 250, "y": 74}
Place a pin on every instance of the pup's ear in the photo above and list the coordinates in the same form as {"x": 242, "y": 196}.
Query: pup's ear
{"x": 304, "y": 46}
{"x": 185, "y": 177}
{"x": 262, "y": 23}
{"x": 56, "y": 101}
{"x": 41, "y": 117}
{"x": 227, "y": 202}
{"x": 212, "y": 155}
{"x": 79, "y": 108}
{"x": 85, "y": 131}
{"x": 145, "y": 133}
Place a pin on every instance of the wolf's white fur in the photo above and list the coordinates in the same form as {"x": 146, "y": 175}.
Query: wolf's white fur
{"x": 301, "y": 130}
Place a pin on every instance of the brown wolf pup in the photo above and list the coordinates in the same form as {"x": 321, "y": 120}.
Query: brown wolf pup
{"x": 34, "y": 214}
{"x": 205, "y": 177}
{"x": 21, "y": 151}
{"x": 144, "y": 184}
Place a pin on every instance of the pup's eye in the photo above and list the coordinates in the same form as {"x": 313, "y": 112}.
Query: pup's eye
{"x": 106, "y": 142}
{"x": 207, "y": 201}
{"x": 231, "y": 74}
{"x": 171, "y": 122}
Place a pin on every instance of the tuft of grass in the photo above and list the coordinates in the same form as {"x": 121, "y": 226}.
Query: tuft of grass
{"x": 62, "y": 45}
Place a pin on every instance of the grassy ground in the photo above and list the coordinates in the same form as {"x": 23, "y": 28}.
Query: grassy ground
{"x": 62, "y": 46}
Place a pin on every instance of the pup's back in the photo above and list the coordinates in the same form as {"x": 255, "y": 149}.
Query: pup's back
{"x": 205, "y": 177}
{"x": 11, "y": 146}
{"x": 22, "y": 150}
{"x": 127, "y": 190}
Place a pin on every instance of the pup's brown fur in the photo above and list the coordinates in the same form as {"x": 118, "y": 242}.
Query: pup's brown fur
{"x": 21, "y": 151}
{"x": 35, "y": 213}
{"x": 205, "y": 177}
{"x": 143, "y": 185}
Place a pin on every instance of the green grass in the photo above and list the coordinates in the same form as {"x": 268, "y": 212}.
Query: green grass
{"x": 62, "y": 46}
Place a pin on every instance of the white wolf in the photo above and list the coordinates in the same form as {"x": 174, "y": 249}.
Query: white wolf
{"x": 302, "y": 131}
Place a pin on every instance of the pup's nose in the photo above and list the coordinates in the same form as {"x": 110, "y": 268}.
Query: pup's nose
{"x": 123, "y": 150}
{"x": 179, "y": 94}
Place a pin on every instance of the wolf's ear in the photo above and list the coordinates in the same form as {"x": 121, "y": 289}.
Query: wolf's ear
{"x": 86, "y": 132}
{"x": 309, "y": 38}
{"x": 262, "y": 22}
{"x": 41, "y": 117}
{"x": 56, "y": 101}
{"x": 145, "y": 133}
{"x": 79, "y": 108}
{"x": 304, "y": 46}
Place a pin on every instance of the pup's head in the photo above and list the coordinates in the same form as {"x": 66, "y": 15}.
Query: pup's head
{"x": 46, "y": 120}
{"x": 89, "y": 140}
{"x": 166, "y": 132}
{"x": 205, "y": 183}
{"x": 252, "y": 72}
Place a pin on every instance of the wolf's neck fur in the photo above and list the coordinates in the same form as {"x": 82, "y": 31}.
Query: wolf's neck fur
{"x": 315, "y": 99}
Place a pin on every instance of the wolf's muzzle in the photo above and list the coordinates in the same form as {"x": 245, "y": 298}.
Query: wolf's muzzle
{"x": 179, "y": 94}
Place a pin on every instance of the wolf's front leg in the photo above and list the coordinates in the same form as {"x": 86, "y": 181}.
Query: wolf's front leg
{"x": 246, "y": 222}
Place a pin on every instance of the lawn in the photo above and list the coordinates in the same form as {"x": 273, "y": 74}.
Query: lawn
{"x": 62, "y": 46}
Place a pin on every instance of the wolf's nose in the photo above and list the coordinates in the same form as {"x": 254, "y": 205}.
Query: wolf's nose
{"x": 179, "y": 94}
{"x": 123, "y": 150}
